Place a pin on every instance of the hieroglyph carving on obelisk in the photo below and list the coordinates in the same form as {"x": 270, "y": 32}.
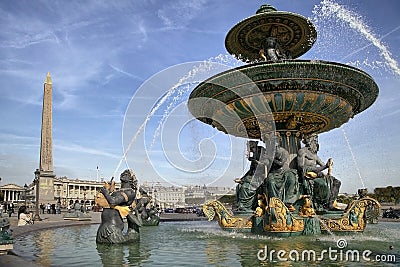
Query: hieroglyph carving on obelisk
{"x": 46, "y": 185}
{"x": 46, "y": 142}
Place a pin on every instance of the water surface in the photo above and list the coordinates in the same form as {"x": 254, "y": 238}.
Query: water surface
{"x": 205, "y": 244}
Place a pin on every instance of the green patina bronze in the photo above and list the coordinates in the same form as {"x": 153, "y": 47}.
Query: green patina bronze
{"x": 277, "y": 95}
{"x": 6, "y": 238}
{"x": 303, "y": 96}
{"x": 295, "y": 33}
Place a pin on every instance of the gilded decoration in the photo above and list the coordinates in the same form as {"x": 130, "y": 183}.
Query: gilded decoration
{"x": 225, "y": 218}
{"x": 276, "y": 93}
{"x": 307, "y": 210}
{"x": 279, "y": 219}
{"x": 302, "y": 96}
{"x": 354, "y": 218}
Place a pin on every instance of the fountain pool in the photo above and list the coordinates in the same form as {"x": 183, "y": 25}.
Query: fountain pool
{"x": 204, "y": 244}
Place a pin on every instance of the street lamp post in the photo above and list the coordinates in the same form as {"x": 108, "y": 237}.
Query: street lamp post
{"x": 25, "y": 189}
{"x": 36, "y": 182}
{"x": 84, "y": 199}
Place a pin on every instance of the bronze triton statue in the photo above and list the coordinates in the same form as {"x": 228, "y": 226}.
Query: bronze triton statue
{"x": 117, "y": 205}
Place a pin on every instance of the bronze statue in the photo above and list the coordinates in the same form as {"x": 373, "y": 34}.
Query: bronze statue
{"x": 323, "y": 188}
{"x": 142, "y": 203}
{"x": 282, "y": 182}
{"x": 118, "y": 206}
{"x": 148, "y": 212}
{"x": 246, "y": 190}
{"x": 272, "y": 51}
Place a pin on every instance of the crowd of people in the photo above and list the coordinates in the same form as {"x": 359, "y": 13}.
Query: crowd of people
{"x": 50, "y": 208}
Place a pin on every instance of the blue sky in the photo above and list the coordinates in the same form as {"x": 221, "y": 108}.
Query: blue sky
{"x": 104, "y": 56}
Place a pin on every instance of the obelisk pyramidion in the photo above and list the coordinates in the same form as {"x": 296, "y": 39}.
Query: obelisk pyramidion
{"x": 46, "y": 185}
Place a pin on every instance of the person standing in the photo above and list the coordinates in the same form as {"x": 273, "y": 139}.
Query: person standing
{"x": 10, "y": 209}
{"x": 48, "y": 208}
{"x": 42, "y": 208}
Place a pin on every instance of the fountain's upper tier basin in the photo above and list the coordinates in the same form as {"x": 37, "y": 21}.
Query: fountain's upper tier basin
{"x": 295, "y": 34}
{"x": 304, "y": 96}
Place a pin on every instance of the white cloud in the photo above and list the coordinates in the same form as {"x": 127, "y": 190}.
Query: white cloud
{"x": 180, "y": 13}
{"x": 86, "y": 150}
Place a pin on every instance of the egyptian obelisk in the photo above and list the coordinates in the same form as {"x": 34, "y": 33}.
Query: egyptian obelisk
{"x": 46, "y": 184}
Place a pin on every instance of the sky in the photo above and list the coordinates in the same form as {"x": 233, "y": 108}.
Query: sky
{"x": 113, "y": 63}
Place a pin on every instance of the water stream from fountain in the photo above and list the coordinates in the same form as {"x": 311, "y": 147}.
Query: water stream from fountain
{"x": 181, "y": 91}
{"x": 163, "y": 100}
{"x": 175, "y": 95}
{"x": 353, "y": 156}
{"x": 329, "y": 9}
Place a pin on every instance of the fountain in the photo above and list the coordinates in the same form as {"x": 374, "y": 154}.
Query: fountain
{"x": 282, "y": 101}
{"x": 291, "y": 97}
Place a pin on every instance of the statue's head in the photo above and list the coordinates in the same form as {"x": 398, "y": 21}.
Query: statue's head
{"x": 311, "y": 141}
{"x": 270, "y": 42}
{"x": 129, "y": 177}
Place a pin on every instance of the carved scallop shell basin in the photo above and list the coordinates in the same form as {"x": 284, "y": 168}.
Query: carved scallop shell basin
{"x": 296, "y": 95}
{"x": 295, "y": 34}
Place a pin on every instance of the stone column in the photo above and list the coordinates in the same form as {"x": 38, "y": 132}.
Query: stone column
{"x": 291, "y": 141}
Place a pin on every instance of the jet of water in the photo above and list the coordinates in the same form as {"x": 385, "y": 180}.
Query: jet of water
{"x": 331, "y": 9}
{"x": 226, "y": 61}
{"x": 139, "y": 131}
{"x": 353, "y": 157}
{"x": 175, "y": 94}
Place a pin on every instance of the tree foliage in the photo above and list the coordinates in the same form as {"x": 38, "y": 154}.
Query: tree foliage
{"x": 388, "y": 194}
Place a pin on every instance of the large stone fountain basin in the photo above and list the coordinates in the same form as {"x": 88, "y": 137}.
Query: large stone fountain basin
{"x": 307, "y": 96}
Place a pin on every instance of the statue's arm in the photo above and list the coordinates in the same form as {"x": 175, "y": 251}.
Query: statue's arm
{"x": 262, "y": 54}
{"x": 114, "y": 199}
{"x": 322, "y": 165}
{"x": 263, "y": 159}
{"x": 301, "y": 159}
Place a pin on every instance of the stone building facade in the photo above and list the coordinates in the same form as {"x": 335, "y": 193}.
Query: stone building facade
{"x": 12, "y": 193}
{"x": 67, "y": 190}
